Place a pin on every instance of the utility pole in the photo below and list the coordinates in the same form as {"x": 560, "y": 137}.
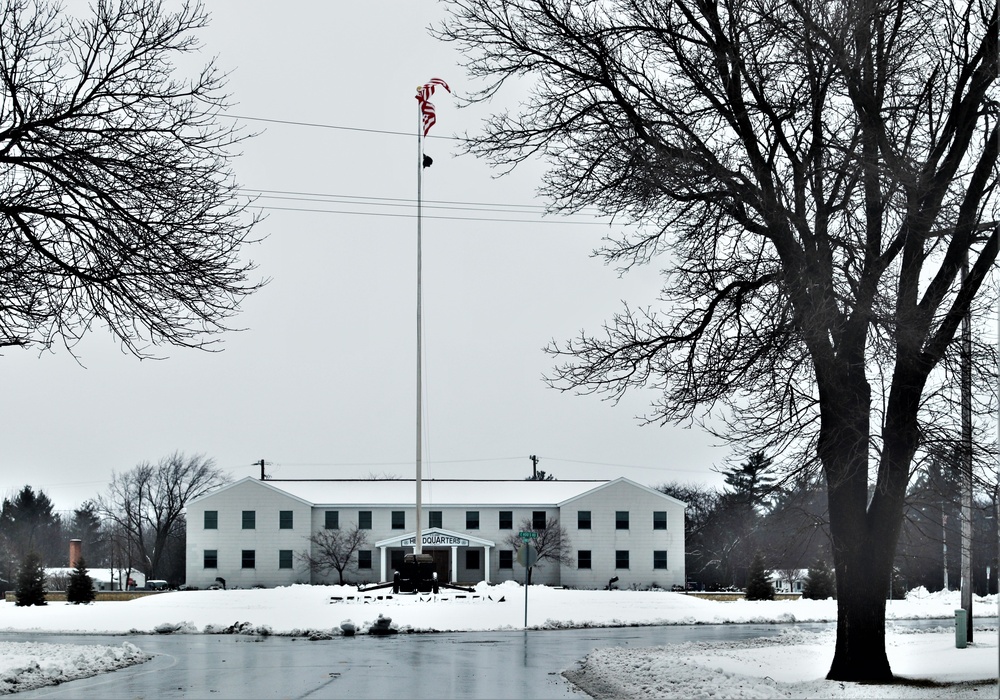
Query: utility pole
{"x": 966, "y": 464}
{"x": 534, "y": 467}
{"x": 944, "y": 546}
{"x": 263, "y": 476}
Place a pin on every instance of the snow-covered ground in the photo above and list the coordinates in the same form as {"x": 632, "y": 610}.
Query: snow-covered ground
{"x": 792, "y": 665}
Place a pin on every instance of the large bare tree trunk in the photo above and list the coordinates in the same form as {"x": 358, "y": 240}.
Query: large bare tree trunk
{"x": 865, "y": 529}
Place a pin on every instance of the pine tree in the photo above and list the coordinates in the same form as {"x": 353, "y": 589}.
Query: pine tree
{"x": 30, "y": 581}
{"x": 80, "y": 588}
{"x": 819, "y": 583}
{"x": 758, "y": 585}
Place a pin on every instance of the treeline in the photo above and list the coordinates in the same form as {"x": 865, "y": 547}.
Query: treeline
{"x": 784, "y": 518}
{"x": 137, "y": 524}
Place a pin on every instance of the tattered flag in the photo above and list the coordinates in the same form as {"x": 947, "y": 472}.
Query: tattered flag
{"x": 424, "y": 93}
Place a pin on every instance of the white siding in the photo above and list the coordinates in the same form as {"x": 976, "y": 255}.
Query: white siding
{"x": 267, "y": 499}
{"x": 640, "y": 540}
{"x": 230, "y": 539}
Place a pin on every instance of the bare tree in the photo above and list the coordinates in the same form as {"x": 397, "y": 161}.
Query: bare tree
{"x": 147, "y": 505}
{"x": 552, "y": 544}
{"x": 814, "y": 177}
{"x": 789, "y": 575}
{"x": 118, "y": 206}
{"x": 333, "y": 550}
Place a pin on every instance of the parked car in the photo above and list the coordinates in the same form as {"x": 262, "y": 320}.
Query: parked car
{"x": 156, "y": 585}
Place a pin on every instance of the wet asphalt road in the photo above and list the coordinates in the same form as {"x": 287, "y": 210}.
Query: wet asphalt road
{"x": 512, "y": 664}
{"x": 509, "y": 664}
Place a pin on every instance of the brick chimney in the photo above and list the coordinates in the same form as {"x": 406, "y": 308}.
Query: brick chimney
{"x": 75, "y": 550}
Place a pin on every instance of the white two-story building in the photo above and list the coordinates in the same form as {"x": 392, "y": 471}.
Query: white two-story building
{"x": 253, "y": 532}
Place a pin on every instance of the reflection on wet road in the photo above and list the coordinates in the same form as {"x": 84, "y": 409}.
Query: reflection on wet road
{"x": 509, "y": 664}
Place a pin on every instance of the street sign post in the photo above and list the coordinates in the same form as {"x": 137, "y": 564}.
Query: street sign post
{"x": 526, "y": 557}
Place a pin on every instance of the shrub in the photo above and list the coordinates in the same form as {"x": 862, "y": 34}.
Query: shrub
{"x": 819, "y": 583}
{"x": 30, "y": 581}
{"x": 758, "y": 585}
{"x": 80, "y": 588}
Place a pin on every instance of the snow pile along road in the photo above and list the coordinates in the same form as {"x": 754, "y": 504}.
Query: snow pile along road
{"x": 792, "y": 665}
{"x": 292, "y": 610}
{"x": 28, "y": 665}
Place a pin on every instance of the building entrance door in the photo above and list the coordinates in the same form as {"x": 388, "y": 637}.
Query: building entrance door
{"x": 442, "y": 564}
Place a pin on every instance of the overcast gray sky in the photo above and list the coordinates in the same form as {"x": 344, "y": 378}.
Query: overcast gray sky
{"x": 321, "y": 382}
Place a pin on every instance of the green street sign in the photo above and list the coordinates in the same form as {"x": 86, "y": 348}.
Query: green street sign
{"x": 527, "y": 535}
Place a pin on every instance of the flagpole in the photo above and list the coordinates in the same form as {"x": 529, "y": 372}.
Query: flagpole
{"x": 418, "y": 535}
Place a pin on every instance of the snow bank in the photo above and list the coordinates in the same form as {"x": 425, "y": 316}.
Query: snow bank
{"x": 27, "y": 665}
{"x": 792, "y": 665}
{"x": 293, "y": 609}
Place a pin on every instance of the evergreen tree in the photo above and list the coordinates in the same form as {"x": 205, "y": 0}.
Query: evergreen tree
{"x": 80, "y": 588}
{"x": 746, "y": 499}
{"x": 85, "y": 525}
{"x": 758, "y": 585}
{"x": 31, "y": 581}
{"x": 28, "y": 523}
{"x": 751, "y": 485}
{"x": 819, "y": 583}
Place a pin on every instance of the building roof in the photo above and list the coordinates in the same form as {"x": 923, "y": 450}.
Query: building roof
{"x": 435, "y": 492}
{"x": 440, "y": 492}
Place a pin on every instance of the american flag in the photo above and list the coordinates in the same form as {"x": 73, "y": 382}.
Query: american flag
{"x": 424, "y": 92}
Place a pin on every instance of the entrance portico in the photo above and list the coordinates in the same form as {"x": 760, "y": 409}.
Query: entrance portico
{"x": 436, "y": 538}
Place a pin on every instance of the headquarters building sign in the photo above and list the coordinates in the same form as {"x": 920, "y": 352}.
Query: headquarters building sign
{"x": 430, "y": 539}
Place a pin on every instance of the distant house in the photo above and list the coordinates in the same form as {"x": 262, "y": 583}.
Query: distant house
{"x": 250, "y": 532}
{"x": 788, "y": 580}
{"x": 104, "y": 579}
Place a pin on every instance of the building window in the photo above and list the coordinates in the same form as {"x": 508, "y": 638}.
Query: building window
{"x": 364, "y": 520}
{"x": 621, "y": 520}
{"x": 506, "y": 520}
{"x": 249, "y": 558}
{"x": 398, "y": 519}
{"x": 621, "y": 558}
{"x": 660, "y": 520}
{"x": 365, "y": 559}
{"x": 660, "y": 559}
{"x": 332, "y": 520}
{"x": 583, "y": 559}
{"x": 211, "y": 559}
{"x": 284, "y": 559}
{"x": 538, "y": 520}
{"x": 434, "y": 519}
{"x": 506, "y": 558}
{"x": 583, "y": 520}
{"x": 472, "y": 559}
{"x": 286, "y": 519}
{"x": 211, "y": 520}
{"x": 249, "y": 519}
{"x": 472, "y": 520}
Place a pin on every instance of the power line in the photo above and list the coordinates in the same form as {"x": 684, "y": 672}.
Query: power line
{"x": 500, "y": 205}
{"x": 399, "y": 202}
{"x": 446, "y": 218}
{"x": 337, "y": 127}
{"x": 626, "y": 466}
{"x": 402, "y": 203}
{"x": 394, "y": 464}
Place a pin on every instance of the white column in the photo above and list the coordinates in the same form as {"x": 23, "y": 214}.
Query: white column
{"x": 486, "y": 564}
{"x": 382, "y": 550}
{"x": 454, "y": 564}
